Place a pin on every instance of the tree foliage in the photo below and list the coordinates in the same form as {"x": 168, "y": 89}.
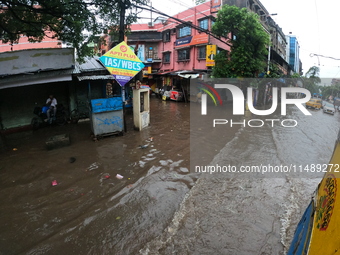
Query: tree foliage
{"x": 66, "y": 19}
{"x": 312, "y": 80}
{"x": 244, "y": 32}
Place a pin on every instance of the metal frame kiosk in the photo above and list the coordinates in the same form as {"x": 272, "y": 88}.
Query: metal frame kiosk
{"x": 107, "y": 116}
{"x": 141, "y": 108}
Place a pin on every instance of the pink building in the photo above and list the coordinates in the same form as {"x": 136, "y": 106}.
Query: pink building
{"x": 176, "y": 44}
{"x": 24, "y": 44}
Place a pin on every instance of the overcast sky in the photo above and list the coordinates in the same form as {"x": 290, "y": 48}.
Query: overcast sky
{"x": 314, "y": 22}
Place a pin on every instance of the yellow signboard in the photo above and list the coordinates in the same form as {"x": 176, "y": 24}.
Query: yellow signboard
{"x": 210, "y": 55}
{"x": 122, "y": 63}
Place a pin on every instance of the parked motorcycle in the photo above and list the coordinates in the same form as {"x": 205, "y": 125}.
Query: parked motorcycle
{"x": 41, "y": 118}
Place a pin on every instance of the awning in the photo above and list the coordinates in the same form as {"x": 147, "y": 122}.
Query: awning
{"x": 192, "y": 76}
{"x": 183, "y": 73}
{"x": 95, "y": 77}
{"x": 36, "y": 78}
{"x": 164, "y": 73}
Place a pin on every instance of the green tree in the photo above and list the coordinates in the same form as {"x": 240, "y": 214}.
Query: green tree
{"x": 244, "y": 32}
{"x": 312, "y": 79}
{"x": 274, "y": 71}
{"x": 332, "y": 90}
{"x": 66, "y": 19}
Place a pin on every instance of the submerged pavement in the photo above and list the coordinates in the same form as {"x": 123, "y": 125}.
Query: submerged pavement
{"x": 159, "y": 206}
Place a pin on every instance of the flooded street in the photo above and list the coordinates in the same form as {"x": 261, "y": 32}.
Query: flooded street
{"x": 160, "y": 206}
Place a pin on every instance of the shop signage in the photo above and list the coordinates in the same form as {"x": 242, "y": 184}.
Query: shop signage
{"x": 215, "y": 5}
{"x": 192, "y": 40}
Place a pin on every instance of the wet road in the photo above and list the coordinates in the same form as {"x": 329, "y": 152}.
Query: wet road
{"x": 158, "y": 207}
{"x": 251, "y": 213}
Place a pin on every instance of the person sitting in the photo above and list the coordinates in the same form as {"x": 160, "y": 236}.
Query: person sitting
{"x": 51, "y": 102}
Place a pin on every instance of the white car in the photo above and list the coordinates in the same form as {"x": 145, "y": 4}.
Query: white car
{"x": 328, "y": 108}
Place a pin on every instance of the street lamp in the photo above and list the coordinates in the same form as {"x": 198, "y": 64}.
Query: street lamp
{"x": 270, "y": 40}
{"x": 269, "y": 49}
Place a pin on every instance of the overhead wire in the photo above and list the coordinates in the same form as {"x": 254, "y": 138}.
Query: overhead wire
{"x": 318, "y": 24}
{"x": 150, "y": 8}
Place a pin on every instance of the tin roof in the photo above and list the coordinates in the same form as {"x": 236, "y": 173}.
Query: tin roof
{"x": 35, "y": 61}
{"x": 91, "y": 64}
{"x": 36, "y": 78}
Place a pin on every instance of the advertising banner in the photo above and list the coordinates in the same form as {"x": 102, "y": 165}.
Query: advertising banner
{"x": 210, "y": 55}
{"x": 122, "y": 63}
{"x": 215, "y": 5}
{"x": 192, "y": 40}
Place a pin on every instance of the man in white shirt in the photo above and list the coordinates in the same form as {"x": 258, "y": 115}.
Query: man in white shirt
{"x": 51, "y": 102}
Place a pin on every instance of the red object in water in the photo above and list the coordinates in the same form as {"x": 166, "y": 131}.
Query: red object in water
{"x": 54, "y": 183}
{"x": 176, "y": 95}
{"x": 107, "y": 176}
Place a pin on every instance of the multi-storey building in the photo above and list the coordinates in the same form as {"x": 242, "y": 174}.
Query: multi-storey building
{"x": 277, "y": 52}
{"x": 24, "y": 44}
{"x": 175, "y": 45}
{"x": 293, "y": 51}
{"x": 167, "y": 45}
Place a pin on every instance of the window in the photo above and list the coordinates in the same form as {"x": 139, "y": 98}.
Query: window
{"x": 166, "y": 57}
{"x": 166, "y": 36}
{"x": 184, "y": 31}
{"x": 203, "y": 24}
{"x": 151, "y": 52}
{"x": 202, "y": 52}
{"x": 184, "y": 54}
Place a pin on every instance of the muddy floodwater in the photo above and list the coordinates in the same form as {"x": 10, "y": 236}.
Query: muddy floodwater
{"x": 159, "y": 206}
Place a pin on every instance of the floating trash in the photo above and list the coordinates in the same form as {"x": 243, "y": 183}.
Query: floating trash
{"x": 93, "y": 166}
{"x": 54, "y": 183}
{"x": 118, "y": 176}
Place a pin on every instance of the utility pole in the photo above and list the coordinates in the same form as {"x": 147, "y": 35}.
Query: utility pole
{"x": 269, "y": 49}
{"x": 270, "y": 39}
{"x": 124, "y": 4}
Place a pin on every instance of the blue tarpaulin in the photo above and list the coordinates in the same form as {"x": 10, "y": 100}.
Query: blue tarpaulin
{"x": 301, "y": 239}
{"x": 106, "y": 104}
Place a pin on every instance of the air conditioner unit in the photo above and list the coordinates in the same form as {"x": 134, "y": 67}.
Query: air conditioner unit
{"x": 150, "y": 24}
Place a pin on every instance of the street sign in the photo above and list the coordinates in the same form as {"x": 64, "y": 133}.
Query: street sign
{"x": 122, "y": 63}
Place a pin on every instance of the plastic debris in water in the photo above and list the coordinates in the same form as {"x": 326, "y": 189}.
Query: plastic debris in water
{"x": 143, "y": 146}
{"x": 54, "y": 183}
{"x": 93, "y": 166}
{"x": 118, "y": 176}
{"x": 15, "y": 149}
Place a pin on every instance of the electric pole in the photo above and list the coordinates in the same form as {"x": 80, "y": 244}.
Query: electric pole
{"x": 122, "y": 8}
{"x": 124, "y": 4}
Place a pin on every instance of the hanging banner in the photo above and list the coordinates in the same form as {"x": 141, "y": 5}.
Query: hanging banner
{"x": 122, "y": 63}
{"x": 211, "y": 51}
